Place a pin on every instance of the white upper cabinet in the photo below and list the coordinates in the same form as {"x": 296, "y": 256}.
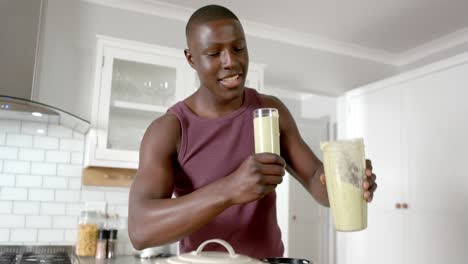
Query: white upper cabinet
{"x": 414, "y": 127}
{"x": 437, "y": 124}
{"x": 135, "y": 83}
{"x": 376, "y": 117}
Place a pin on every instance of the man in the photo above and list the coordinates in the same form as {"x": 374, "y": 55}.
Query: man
{"x": 202, "y": 149}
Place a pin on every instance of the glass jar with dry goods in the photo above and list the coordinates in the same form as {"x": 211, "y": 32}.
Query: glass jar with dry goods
{"x": 87, "y": 234}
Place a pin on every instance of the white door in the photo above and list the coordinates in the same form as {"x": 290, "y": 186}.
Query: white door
{"x": 308, "y": 220}
{"x": 376, "y": 118}
{"x": 437, "y": 122}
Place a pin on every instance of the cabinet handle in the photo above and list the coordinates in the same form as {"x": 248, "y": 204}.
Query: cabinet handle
{"x": 397, "y": 205}
{"x": 294, "y": 218}
{"x": 404, "y": 206}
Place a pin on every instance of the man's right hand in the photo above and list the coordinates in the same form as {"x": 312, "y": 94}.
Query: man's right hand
{"x": 257, "y": 176}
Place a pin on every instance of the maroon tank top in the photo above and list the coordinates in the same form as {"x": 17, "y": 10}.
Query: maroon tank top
{"x": 211, "y": 149}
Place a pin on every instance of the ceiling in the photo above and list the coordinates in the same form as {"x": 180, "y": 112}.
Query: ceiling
{"x": 390, "y": 26}
{"x": 340, "y": 44}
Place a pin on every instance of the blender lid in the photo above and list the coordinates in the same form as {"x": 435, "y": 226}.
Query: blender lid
{"x": 210, "y": 257}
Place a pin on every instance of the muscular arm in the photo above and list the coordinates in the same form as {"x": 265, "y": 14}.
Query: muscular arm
{"x": 155, "y": 218}
{"x": 301, "y": 161}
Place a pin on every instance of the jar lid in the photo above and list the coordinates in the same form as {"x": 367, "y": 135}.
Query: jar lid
{"x": 103, "y": 234}
{"x": 113, "y": 234}
{"x": 209, "y": 257}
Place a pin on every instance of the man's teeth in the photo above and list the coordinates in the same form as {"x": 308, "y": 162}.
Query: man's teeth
{"x": 232, "y": 78}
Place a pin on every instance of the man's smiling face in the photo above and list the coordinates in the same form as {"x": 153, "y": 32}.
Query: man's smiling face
{"x": 218, "y": 52}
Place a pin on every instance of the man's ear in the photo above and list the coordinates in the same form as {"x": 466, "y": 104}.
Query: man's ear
{"x": 188, "y": 56}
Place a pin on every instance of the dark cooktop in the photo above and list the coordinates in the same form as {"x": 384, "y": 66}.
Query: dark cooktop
{"x": 37, "y": 254}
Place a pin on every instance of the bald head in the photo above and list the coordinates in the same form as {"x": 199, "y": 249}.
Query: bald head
{"x": 207, "y": 14}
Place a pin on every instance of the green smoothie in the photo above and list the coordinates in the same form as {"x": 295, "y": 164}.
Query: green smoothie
{"x": 344, "y": 164}
{"x": 266, "y": 131}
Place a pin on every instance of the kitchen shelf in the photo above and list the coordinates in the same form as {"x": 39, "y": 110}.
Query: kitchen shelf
{"x": 138, "y": 106}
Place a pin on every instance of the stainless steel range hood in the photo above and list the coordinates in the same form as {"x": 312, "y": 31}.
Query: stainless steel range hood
{"x": 23, "y": 109}
{"x": 20, "y": 35}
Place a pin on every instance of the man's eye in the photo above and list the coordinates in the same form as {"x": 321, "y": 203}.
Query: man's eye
{"x": 212, "y": 54}
{"x": 238, "y": 48}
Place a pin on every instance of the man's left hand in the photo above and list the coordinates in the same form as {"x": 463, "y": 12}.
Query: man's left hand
{"x": 369, "y": 184}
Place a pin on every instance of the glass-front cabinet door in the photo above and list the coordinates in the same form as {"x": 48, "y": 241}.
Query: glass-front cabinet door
{"x": 136, "y": 83}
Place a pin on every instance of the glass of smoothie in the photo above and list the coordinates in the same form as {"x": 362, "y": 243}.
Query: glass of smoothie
{"x": 345, "y": 164}
{"x": 266, "y": 130}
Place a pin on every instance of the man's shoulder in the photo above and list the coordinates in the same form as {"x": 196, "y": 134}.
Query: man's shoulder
{"x": 167, "y": 125}
{"x": 269, "y": 100}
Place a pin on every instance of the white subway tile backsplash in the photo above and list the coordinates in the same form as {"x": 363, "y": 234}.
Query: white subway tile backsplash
{"x": 5, "y": 207}
{"x": 28, "y": 181}
{"x": 74, "y": 184}
{"x": 77, "y": 158}
{"x": 54, "y": 120}
{"x": 4, "y": 234}
{"x": 23, "y": 235}
{"x": 65, "y": 222}
{"x": 57, "y": 156}
{"x": 92, "y": 195}
{"x": 14, "y": 194}
{"x": 23, "y": 116}
{"x": 33, "y": 128}
{"x": 117, "y": 197}
{"x": 51, "y": 182}
{"x": 16, "y": 140}
{"x": 7, "y": 180}
{"x": 26, "y": 208}
{"x": 16, "y": 167}
{"x": 51, "y": 235}
{"x": 41, "y": 168}
{"x": 123, "y": 235}
{"x": 53, "y": 208}
{"x": 69, "y": 170}
{"x": 12, "y": 126}
{"x": 59, "y": 243}
{"x": 41, "y": 195}
{"x": 74, "y": 208}
{"x": 42, "y": 142}
{"x": 128, "y": 250}
{"x": 8, "y": 153}
{"x": 34, "y": 243}
{"x": 2, "y": 138}
{"x": 59, "y": 131}
{"x": 121, "y": 210}
{"x": 38, "y": 221}
{"x": 123, "y": 223}
{"x": 71, "y": 144}
{"x": 120, "y": 247}
{"x": 31, "y": 154}
{"x": 67, "y": 196}
{"x": 12, "y": 221}
{"x": 71, "y": 235}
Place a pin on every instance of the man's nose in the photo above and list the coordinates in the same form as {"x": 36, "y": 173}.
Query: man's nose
{"x": 228, "y": 59}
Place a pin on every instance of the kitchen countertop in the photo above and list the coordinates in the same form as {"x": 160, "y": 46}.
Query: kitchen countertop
{"x": 117, "y": 260}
